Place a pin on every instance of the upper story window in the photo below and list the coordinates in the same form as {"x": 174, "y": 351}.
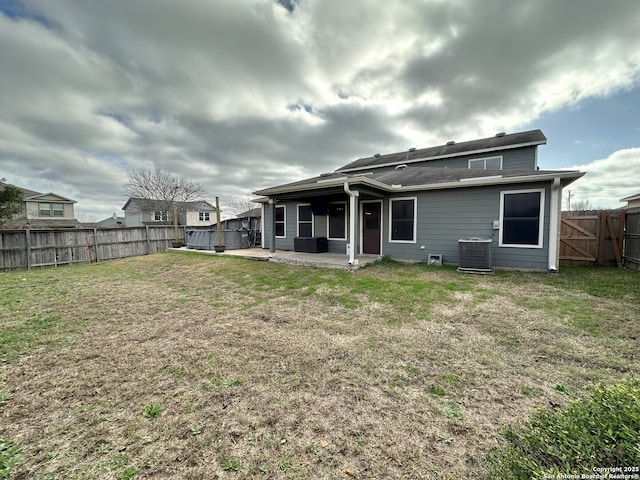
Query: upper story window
{"x": 489, "y": 163}
{"x": 51, "y": 209}
{"x": 161, "y": 216}
{"x": 305, "y": 221}
{"x": 203, "y": 216}
{"x": 402, "y": 219}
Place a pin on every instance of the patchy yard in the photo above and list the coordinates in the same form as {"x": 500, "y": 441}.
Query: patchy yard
{"x": 187, "y": 366}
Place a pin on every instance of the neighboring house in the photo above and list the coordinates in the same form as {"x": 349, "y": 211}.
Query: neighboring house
{"x": 633, "y": 201}
{"x": 113, "y": 221}
{"x": 44, "y": 210}
{"x": 141, "y": 211}
{"x": 421, "y": 202}
{"x": 249, "y": 220}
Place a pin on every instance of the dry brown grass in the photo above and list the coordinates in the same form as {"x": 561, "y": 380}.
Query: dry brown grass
{"x": 311, "y": 374}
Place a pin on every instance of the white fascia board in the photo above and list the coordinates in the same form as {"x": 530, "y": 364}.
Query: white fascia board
{"x": 450, "y": 155}
{"x": 324, "y": 183}
{"x": 487, "y": 181}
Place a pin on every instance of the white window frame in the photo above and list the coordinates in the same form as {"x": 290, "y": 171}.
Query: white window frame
{"x": 345, "y": 222}
{"x": 540, "y": 243}
{"x": 284, "y": 219}
{"x": 484, "y": 159}
{"x": 204, "y": 216}
{"x": 299, "y": 222}
{"x": 415, "y": 219}
{"x": 163, "y": 216}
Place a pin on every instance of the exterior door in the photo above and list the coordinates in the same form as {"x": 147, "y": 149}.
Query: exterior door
{"x": 371, "y": 227}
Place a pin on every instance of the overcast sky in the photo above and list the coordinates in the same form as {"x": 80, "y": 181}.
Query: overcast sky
{"x": 240, "y": 95}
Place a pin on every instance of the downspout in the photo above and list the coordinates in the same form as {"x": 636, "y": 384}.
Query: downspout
{"x": 554, "y": 220}
{"x": 353, "y": 217}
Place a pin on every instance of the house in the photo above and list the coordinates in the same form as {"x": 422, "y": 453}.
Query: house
{"x": 249, "y": 220}
{"x": 417, "y": 204}
{"x": 633, "y": 201}
{"x": 141, "y": 211}
{"x": 113, "y": 221}
{"x": 44, "y": 210}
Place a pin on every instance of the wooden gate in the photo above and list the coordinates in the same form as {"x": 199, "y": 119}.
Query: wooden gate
{"x": 590, "y": 238}
{"x": 632, "y": 240}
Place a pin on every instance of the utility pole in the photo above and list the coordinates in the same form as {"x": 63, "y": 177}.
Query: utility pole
{"x": 569, "y": 195}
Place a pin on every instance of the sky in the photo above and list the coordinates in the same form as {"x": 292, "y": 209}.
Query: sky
{"x": 240, "y": 95}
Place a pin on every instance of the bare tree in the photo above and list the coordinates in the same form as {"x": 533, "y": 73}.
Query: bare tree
{"x": 242, "y": 205}
{"x": 165, "y": 187}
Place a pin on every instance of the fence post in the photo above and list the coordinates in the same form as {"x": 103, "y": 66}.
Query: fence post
{"x": 146, "y": 228}
{"x": 95, "y": 244}
{"x": 27, "y": 233}
{"x": 602, "y": 232}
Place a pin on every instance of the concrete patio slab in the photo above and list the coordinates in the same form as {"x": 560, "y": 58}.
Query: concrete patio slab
{"x": 325, "y": 260}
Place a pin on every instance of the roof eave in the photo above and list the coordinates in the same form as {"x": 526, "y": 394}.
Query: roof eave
{"x": 569, "y": 177}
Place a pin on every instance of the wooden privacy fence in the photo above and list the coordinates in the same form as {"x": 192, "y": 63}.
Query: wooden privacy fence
{"x": 42, "y": 248}
{"x": 632, "y": 239}
{"x": 592, "y": 238}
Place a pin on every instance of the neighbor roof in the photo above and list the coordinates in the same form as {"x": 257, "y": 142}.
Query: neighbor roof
{"x": 490, "y": 144}
{"x": 33, "y": 195}
{"x": 149, "y": 205}
{"x": 631, "y": 197}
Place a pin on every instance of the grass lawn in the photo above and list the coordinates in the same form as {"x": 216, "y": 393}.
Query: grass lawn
{"x": 189, "y": 366}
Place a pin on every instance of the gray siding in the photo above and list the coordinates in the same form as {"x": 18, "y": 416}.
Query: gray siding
{"x": 515, "y": 159}
{"x": 445, "y": 216}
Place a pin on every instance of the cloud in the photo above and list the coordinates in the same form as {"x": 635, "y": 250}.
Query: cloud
{"x": 609, "y": 179}
{"x": 244, "y": 95}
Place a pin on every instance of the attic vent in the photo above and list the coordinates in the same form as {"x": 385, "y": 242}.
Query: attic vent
{"x": 401, "y": 167}
{"x": 376, "y": 155}
{"x": 412, "y": 149}
{"x": 474, "y": 255}
{"x": 500, "y": 134}
{"x": 451, "y": 142}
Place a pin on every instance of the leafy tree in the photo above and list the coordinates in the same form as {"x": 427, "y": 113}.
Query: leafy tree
{"x": 165, "y": 187}
{"x": 10, "y": 201}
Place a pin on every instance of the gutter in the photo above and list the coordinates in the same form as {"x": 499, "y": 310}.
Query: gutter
{"x": 353, "y": 212}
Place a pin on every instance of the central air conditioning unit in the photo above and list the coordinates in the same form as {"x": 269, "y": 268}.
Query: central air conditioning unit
{"x": 475, "y": 255}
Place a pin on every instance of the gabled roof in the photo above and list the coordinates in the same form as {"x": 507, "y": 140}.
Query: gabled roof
{"x": 419, "y": 177}
{"x": 148, "y": 205}
{"x": 254, "y": 212}
{"x": 490, "y": 144}
{"x": 33, "y": 196}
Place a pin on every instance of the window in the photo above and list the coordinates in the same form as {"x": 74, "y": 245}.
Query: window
{"x": 489, "y": 163}
{"x": 337, "y": 221}
{"x": 203, "y": 216}
{"x": 161, "y": 216}
{"x": 305, "y": 221}
{"x": 280, "y": 221}
{"x": 51, "y": 209}
{"x": 522, "y": 216}
{"x": 402, "y": 220}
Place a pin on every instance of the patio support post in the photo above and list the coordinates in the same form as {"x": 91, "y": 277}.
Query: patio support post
{"x": 353, "y": 217}
{"x": 272, "y": 233}
{"x": 554, "y": 221}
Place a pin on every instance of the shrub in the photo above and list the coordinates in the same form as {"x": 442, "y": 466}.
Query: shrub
{"x": 600, "y": 431}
